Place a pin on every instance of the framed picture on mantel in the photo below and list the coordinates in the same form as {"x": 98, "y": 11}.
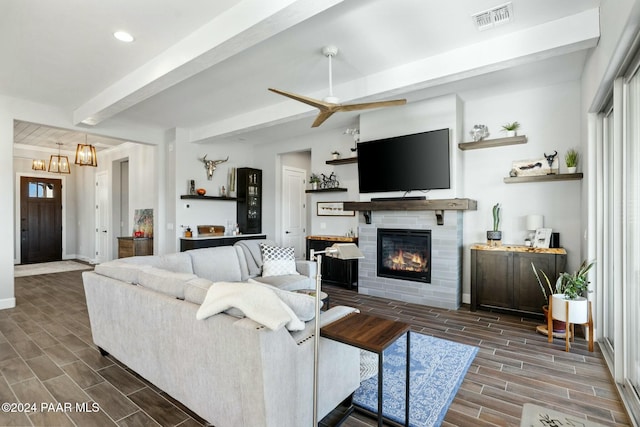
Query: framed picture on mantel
{"x": 543, "y": 238}
{"x": 333, "y": 209}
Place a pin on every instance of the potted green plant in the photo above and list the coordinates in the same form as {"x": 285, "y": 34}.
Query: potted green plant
{"x": 335, "y": 155}
{"x": 547, "y": 290}
{"x": 570, "y": 289}
{"x": 495, "y": 235}
{"x": 314, "y": 180}
{"x": 511, "y": 128}
{"x": 571, "y": 160}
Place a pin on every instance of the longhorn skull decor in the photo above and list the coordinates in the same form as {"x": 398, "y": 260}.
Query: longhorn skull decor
{"x": 211, "y": 165}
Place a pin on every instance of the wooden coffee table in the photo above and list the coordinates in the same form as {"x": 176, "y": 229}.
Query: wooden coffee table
{"x": 374, "y": 334}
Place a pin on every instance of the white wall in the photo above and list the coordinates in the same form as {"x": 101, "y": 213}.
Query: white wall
{"x": 550, "y": 118}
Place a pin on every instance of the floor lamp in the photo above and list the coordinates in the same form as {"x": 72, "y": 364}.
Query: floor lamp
{"x": 341, "y": 251}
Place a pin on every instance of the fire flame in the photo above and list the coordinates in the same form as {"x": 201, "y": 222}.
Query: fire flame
{"x": 407, "y": 261}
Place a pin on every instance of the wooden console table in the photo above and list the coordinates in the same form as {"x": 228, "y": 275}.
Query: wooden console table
{"x": 373, "y": 334}
{"x": 134, "y": 246}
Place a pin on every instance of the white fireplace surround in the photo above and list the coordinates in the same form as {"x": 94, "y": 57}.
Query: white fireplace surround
{"x": 445, "y": 289}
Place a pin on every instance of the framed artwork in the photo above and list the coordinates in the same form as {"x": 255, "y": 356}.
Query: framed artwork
{"x": 534, "y": 167}
{"x": 333, "y": 209}
{"x": 542, "y": 238}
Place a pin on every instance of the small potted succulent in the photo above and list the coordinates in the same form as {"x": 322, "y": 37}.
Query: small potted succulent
{"x": 495, "y": 235}
{"x": 571, "y": 160}
{"x": 335, "y": 155}
{"x": 314, "y": 180}
{"x": 511, "y": 128}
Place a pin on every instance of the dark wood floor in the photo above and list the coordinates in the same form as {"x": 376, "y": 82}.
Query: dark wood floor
{"x": 47, "y": 357}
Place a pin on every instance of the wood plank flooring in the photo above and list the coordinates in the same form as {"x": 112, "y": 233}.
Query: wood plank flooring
{"x": 47, "y": 357}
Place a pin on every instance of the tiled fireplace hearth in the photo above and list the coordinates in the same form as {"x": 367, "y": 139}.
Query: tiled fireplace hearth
{"x": 445, "y": 264}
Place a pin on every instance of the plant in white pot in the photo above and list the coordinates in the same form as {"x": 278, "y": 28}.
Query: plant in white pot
{"x": 314, "y": 180}
{"x": 511, "y": 128}
{"x": 571, "y": 160}
{"x": 568, "y": 303}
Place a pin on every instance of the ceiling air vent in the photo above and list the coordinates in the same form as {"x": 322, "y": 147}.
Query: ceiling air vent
{"x": 492, "y": 17}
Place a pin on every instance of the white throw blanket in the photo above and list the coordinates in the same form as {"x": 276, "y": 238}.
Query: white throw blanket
{"x": 256, "y": 302}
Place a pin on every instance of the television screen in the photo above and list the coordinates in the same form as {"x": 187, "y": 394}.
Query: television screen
{"x": 411, "y": 162}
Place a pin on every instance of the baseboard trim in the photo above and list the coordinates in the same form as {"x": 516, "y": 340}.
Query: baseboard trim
{"x": 6, "y": 303}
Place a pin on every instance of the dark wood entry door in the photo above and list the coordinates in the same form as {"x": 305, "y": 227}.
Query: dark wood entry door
{"x": 40, "y": 219}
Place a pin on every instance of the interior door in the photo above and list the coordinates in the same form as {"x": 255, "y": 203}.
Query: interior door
{"x": 294, "y": 210}
{"x": 102, "y": 218}
{"x": 40, "y": 219}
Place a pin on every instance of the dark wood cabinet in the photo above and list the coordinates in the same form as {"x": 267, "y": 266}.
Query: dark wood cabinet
{"x": 335, "y": 271}
{"x": 502, "y": 278}
{"x": 134, "y": 246}
{"x": 187, "y": 244}
{"x": 249, "y": 205}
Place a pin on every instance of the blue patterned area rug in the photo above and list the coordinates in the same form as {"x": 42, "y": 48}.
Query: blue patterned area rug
{"x": 437, "y": 369}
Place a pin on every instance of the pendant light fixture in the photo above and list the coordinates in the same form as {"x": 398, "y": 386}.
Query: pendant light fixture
{"x": 59, "y": 164}
{"x": 38, "y": 165}
{"x": 86, "y": 154}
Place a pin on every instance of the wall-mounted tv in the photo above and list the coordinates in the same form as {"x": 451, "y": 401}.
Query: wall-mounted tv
{"x": 404, "y": 163}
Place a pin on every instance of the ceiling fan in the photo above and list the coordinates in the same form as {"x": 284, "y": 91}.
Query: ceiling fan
{"x": 331, "y": 104}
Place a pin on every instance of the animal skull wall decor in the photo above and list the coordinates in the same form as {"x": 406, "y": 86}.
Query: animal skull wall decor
{"x": 211, "y": 165}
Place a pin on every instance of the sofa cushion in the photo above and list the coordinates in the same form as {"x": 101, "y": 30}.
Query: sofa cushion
{"x": 256, "y": 302}
{"x": 179, "y": 262}
{"x": 219, "y": 264}
{"x": 290, "y": 282}
{"x": 253, "y": 254}
{"x": 277, "y": 261}
{"x": 195, "y": 290}
{"x": 120, "y": 270}
{"x": 303, "y": 305}
{"x": 164, "y": 281}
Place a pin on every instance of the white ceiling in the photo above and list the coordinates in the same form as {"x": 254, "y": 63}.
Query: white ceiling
{"x": 206, "y": 65}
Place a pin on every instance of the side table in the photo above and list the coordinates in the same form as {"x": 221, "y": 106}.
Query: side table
{"x": 374, "y": 334}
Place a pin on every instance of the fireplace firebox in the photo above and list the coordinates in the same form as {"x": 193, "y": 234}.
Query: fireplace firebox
{"x": 404, "y": 254}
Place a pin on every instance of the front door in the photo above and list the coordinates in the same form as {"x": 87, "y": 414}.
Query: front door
{"x": 40, "y": 219}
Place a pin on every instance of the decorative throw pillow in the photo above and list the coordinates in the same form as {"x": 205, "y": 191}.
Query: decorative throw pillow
{"x": 277, "y": 261}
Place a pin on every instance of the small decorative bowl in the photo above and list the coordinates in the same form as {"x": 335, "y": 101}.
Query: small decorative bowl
{"x": 201, "y": 191}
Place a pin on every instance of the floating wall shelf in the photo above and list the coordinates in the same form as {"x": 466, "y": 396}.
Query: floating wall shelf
{"x": 345, "y": 161}
{"x": 437, "y": 205}
{"x": 539, "y": 178}
{"x": 196, "y": 197}
{"x": 497, "y": 142}
{"x": 326, "y": 190}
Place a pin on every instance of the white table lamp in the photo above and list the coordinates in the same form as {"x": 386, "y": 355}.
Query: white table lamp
{"x": 533, "y": 223}
{"x": 340, "y": 251}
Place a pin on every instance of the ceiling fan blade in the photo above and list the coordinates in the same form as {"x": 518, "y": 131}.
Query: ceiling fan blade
{"x": 324, "y": 115}
{"x": 368, "y": 105}
{"x": 309, "y": 101}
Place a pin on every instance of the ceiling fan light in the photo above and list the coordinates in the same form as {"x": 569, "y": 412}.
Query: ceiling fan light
{"x": 86, "y": 155}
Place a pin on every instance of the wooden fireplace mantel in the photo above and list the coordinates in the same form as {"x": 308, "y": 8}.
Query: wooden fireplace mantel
{"x": 437, "y": 205}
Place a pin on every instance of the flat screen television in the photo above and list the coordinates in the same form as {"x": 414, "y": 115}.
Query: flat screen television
{"x": 418, "y": 161}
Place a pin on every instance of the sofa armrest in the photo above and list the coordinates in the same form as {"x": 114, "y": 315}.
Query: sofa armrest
{"x": 307, "y": 268}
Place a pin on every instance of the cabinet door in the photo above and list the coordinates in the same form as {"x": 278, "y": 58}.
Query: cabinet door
{"x": 527, "y": 293}
{"x": 494, "y": 278}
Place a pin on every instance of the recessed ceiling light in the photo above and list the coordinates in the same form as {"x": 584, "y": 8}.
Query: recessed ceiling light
{"x": 123, "y": 36}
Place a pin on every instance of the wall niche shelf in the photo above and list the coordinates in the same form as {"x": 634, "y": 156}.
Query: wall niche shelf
{"x": 540, "y": 178}
{"x": 496, "y": 142}
{"x": 196, "y": 197}
{"x": 326, "y": 190}
{"x": 344, "y": 161}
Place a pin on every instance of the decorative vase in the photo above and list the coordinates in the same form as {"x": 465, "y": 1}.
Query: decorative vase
{"x": 578, "y": 309}
{"x": 571, "y": 169}
{"x": 314, "y": 185}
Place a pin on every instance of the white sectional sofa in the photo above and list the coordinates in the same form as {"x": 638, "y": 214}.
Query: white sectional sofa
{"x": 230, "y": 370}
